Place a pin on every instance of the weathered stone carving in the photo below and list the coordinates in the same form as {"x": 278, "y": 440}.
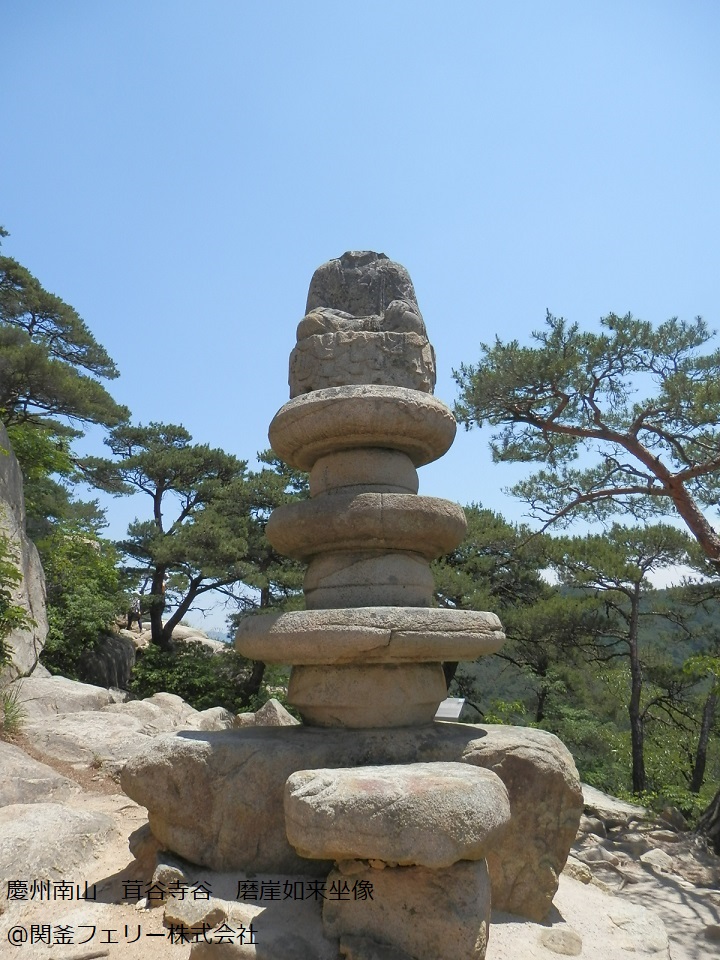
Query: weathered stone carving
{"x": 362, "y": 325}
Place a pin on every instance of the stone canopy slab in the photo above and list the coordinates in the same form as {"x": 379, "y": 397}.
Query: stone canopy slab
{"x": 343, "y": 418}
{"x": 369, "y": 635}
{"x": 424, "y": 814}
{"x": 429, "y": 526}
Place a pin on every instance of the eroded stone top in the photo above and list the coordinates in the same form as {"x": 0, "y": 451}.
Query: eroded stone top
{"x": 362, "y": 326}
{"x": 360, "y": 283}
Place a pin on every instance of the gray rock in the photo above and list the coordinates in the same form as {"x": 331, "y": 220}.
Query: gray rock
{"x": 89, "y": 738}
{"x": 43, "y": 697}
{"x": 160, "y": 713}
{"x": 657, "y": 859}
{"x": 545, "y": 806}
{"x": 643, "y": 930}
{"x": 145, "y": 848}
{"x": 563, "y": 940}
{"x": 214, "y": 718}
{"x": 674, "y": 818}
{"x": 173, "y": 708}
{"x": 592, "y": 825}
{"x": 237, "y": 778}
{"x": 25, "y": 780}
{"x": 25, "y": 645}
{"x": 577, "y": 870}
{"x": 244, "y": 720}
{"x": 113, "y": 732}
{"x": 110, "y": 663}
{"x": 48, "y": 840}
{"x": 605, "y": 807}
{"x": 429, "y": 814}
{"x": 663, "y": 836}
{"x": 273, "y": 714}
{"x": 597, "y": 854}
{"x": 634, "y": 843}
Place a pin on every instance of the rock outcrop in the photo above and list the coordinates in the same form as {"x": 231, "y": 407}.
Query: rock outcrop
{"x": 25, "y": 645}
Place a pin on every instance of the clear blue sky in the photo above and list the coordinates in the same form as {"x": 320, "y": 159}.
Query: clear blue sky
{"x": 176, "y": 171}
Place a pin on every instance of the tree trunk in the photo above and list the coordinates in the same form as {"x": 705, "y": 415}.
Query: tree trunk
{"x": 157, "y": 608}
{"x": 183, "y": 607}
{"x": 698, "y": 775}
{"x": 637, "y": 724}
{"x": 251, "y": 686}
{"x": 542, "y": 696}
{"x": 449, "y": 669}
{"x": 709, "y": 823}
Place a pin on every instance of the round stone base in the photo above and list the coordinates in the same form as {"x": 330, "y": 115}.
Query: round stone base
{"x": 381, "y": 695}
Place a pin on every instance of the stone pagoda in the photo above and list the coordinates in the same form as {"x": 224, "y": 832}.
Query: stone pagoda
{"x": 369, "y": 648}
{"x": 369, "y": 790}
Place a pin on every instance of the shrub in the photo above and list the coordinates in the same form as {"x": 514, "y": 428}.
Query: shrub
{"x": 200, "y": 676}
{"x": 84, "y": 596}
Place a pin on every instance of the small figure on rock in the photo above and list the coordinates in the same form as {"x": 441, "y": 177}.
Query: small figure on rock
{"x": 134, "y": 613}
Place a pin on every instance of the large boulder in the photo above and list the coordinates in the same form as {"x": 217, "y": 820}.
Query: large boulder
{"x": 80, "y": 723}
{"x": 25, "y": 780}
{"x": 237, "y": 778}
{"x": 110, "y": 662}
{"x": 25, "y": 645}
{"x": 43, "y": 697}
{"x": 545, "y": 804}
{"x": 48, "y": 840}
{"x": 91, "y": 739}
{"x": 606, "y": 808}
{"x": 426, "y": 814}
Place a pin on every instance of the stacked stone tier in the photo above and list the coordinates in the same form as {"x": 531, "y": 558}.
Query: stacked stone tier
{"x": 392, "y": 814}
{"x": 428, "y": 526}
{"x": 368, "y": 650}
{"x": 341, "y": 418}
{"x": 368, "y": 635}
